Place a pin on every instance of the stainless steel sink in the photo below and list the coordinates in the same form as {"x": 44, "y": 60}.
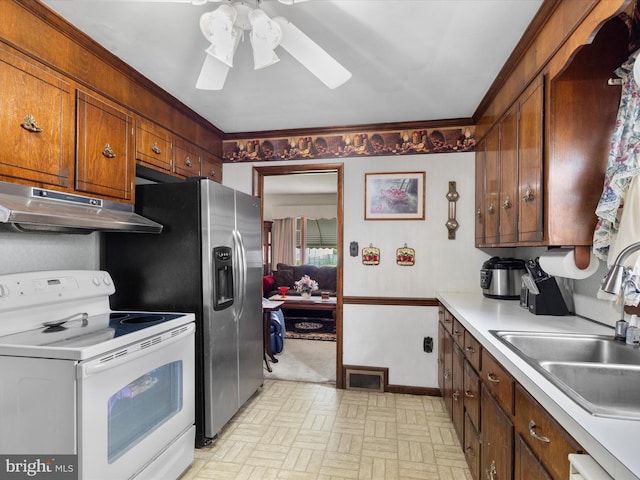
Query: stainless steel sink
{"x": 600, "y": 374}
{"x": 567, "y": 347}
{"x": 602, "y": 389}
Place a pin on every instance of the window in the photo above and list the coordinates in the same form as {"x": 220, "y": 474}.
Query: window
{"x": 316, "y": 241}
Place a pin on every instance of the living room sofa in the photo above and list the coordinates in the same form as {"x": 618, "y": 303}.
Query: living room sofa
{"x": 286, "y": 276}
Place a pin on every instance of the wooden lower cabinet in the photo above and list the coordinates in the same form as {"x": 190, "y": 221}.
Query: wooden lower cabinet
{"x": 504, "y": 432}
{"x": 471, "y": 447}
{"x": 526, "y": 465}
{"x": 496, "y": 436}
{"x": 547, "y": 441}
{"x": 457, "y": 386}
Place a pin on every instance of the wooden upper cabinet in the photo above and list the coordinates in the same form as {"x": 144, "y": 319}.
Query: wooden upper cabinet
{"x": 582, "y": 109}
{"x": 492, "y": 185}
{"x": 211, "y": 167}
{"x": 153, "y": 146}
{"x": 105, "y": 164}
{"x": 530, "y": 147}
{"x": 480, "y": 213}
{"x": 508, "y": 191}
{"x": 186, "y": 159}
{"x": 36, "y": 122}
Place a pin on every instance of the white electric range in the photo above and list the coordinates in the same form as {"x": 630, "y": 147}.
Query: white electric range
{"x": 115, "y": 389}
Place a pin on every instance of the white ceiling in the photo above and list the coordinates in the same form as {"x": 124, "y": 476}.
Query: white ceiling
{"x": 411, "y": 60}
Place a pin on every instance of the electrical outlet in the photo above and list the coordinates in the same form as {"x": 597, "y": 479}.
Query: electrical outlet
{"x": 427, "y": 344}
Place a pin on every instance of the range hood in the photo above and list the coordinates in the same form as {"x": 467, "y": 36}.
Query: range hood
{"x": 33, "y": 209}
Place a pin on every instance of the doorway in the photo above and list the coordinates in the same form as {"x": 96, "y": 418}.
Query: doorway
{"x": 259, "y": 173}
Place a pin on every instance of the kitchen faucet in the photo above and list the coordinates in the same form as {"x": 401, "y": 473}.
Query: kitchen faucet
{"x": 614, "y": 280}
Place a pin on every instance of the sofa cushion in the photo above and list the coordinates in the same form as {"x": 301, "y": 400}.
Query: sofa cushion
{"x": 283, "y": 276}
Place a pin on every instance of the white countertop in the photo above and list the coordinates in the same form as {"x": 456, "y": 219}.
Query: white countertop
{"x": 613, "y": 443}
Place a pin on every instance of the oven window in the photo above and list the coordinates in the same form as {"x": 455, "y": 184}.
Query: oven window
{"x": 142, "y": 406}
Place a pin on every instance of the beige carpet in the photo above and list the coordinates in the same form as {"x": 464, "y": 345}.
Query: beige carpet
{"x": 305, "y": 361}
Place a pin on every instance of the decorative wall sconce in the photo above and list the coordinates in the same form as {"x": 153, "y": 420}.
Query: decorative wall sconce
{"x": 452, "y": 224}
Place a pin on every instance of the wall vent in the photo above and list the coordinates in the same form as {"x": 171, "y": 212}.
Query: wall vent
{"x": 371, "y": 379}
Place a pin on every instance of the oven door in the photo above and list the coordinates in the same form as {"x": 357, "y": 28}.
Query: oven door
{"x": 134, "y": 402}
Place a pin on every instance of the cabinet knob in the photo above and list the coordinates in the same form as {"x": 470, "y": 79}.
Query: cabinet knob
{"x": 470, "y": 350}
{"x": 528, "y": 195}
{"x": 212, "y": 174}
{"x": 532, "y": 432}
{"x": 468, "y": 394}
{"x": 187, "y": 162}
{"x": 108, "y": 152}
{"x": 492, "y": 378}
{"x": 155, "y": 148}
{"x": 469, "y": 451}
{"x": 491, "y": 208}
{"x": 446, "y": 375}
{"x": 478, "y": 213}
{"x": 507, "y": 203}
{"x": 29, "y": 123}
{"x": 456, "y": 395}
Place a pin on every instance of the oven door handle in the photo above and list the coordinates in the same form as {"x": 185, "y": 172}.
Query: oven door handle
{"x": 132, "y": 352}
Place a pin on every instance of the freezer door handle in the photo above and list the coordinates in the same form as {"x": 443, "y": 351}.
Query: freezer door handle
{"x": 241, "y": 271}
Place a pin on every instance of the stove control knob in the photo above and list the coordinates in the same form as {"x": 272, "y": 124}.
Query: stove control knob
{"x": 107, "y": 280}
{"x": 4, "y": 291}
{"x": 96, "y": 281}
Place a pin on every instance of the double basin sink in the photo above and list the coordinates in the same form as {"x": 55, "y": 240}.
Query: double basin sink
{"x": 600, "y": 374}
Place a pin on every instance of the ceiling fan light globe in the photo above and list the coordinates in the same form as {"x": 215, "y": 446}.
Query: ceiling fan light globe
{"x": 224, "y": 45}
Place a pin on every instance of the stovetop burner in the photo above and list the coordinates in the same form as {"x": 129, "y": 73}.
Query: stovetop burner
{"x": 66, "y": 314}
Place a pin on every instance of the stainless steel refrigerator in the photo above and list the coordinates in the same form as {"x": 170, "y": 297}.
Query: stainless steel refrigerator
{"x": 207, "y": 260}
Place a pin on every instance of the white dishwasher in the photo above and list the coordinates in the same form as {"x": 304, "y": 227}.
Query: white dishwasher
{"x": 583, "y": 467}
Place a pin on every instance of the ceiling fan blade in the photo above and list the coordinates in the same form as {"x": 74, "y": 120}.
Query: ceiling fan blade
{"x": 311, "y": 55}
{"x": 213, "y": 74}
{"x": 291, "y": 2}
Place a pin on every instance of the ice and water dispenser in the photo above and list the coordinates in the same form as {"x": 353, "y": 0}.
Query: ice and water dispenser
{"x": 222, "y": 278}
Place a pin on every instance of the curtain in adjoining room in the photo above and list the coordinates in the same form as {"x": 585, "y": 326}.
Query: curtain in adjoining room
{"x": 284, "y": 242}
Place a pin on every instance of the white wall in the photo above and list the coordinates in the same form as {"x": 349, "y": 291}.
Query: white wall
{"x": 26, "y": 252}
{"x": 391, "y": 336}
{"x": 292, "y": 206}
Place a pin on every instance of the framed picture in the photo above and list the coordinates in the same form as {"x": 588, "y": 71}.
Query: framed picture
{"x": 394, "y": 196}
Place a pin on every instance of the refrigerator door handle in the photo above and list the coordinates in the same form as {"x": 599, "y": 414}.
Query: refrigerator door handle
{"x": 242, "y": 271}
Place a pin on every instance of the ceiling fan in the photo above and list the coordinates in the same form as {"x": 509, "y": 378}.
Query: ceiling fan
{"x": 225, "y": 26}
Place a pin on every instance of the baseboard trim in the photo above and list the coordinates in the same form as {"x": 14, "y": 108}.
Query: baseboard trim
{"x": 431, "y": 392}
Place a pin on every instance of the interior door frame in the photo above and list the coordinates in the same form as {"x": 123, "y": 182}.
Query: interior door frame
{"x": 258, "y": 186}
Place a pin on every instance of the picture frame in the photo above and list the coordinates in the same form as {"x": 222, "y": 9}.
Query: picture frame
{"x": 394, "y": 196}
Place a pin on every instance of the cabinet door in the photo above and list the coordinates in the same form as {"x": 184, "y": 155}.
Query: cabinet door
{"x": 480, "y": 213}
{"x": 186, "y": 159}
{"x": 211, "y": 167}
{"x": 472, "y": 447}
{"x": 36, "y": 123}
{"x": 497, "y": 440}
{"x": 457, "y": 395}
{"x": 471, "y": 393}
{"x": 491, "y": 186}
{"x": 545, "y": 438}
{"x": 508, "y": 177}
{"x": 153, "y": 146}
{"x": 526, "y": 465}
{"x": 104, "y": 161}
{"x": 441, "y": 353}
{"x": 530, "y": 128}
{"x": 447, "y": 372}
